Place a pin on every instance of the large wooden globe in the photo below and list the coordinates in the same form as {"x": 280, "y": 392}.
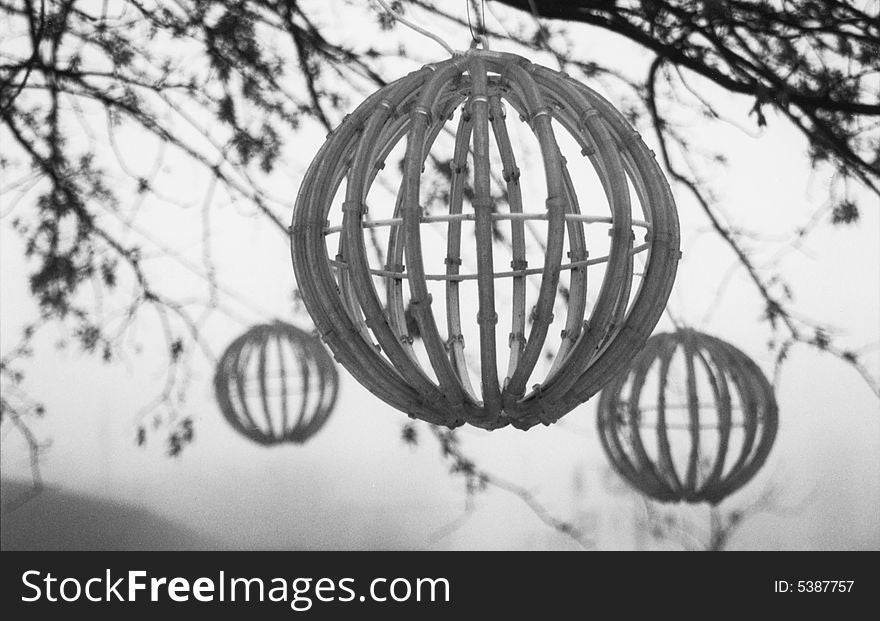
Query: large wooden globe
{"x": 276, "y": 384}
{"x": 495, "y": 272}
{"x": 693, "y": 419}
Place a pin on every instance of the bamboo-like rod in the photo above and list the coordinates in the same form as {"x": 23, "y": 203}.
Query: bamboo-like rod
{"x": 507, "y": 274}
{"x": 577, "y": 298}
{"x": 693, "y": 410}
{"x": 665, "y": 351}
{"x": 557, "y": 205}
{"x": 487, "y": 318}
{"x": 495, "y": 217}
{"x": 453, "y": 255}
{"x": 314, "y": 278}
{"x": 723, "y": 408}
{"x": 510, "y": 173}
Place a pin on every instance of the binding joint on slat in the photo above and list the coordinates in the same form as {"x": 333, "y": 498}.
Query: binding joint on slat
{"x": 423, "y": 110}
{"x": 421, "y": 305}
{"x": 455, "y": 338}
{"x": 572, "y": 335}
{"x": 358, "y": 208}
{"x": 487, "y": 321}
{"x": 542, "y": 111}
{"x": 544, "y": 410}
{"x": 555, "y": 204}
{"x": 483, "y": 203}
{"x": 586, "y": 116}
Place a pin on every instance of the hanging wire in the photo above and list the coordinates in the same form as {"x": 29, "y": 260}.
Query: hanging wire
{"x": 480, "y": 35}
{"x": 467, "y": 6}
{"x": 418, "y": 29}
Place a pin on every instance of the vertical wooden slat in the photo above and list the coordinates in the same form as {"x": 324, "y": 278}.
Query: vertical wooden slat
{"x": 693, "y": 410}
{"x": 483, "y": 204}
{"x": 281, "y": 343}
{"x": 723, "y": 409}
{"x": 556, "y": 205}
{"x": 453, "y": 253}
{"x": 666, "y": 349}
{"x": 314, "y": 277}
{"x": 511, "y": 173}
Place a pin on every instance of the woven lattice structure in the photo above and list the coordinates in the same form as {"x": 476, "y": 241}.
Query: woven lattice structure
{"x": 692, "y": 420}
{"x": 495, "y": 250}
{"x": 276, "y": 383}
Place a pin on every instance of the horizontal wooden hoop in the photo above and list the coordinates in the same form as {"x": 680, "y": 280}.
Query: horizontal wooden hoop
{"x": 495, "y": 217}
{"x": 508, "y": 274}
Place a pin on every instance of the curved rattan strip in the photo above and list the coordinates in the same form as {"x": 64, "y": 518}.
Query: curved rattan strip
{"x": 729, "y": 481}
{"x": 732, "y": 477}
{"x": 723, "y": 408}
{"x": 577, "y": 291}
{"x": 638, "y": 376}
{"x": 666, "y": 347}
{"x": 394, "y": 253}
{"x": 597, "y": 144}
{"x": 391, "y": 132}
{"x": 317, "y": 282}
{"x": 590, "y": 148}
{"x": 342, "y": 265}
{"x": 659, "y": 274}
{"x": 353, "y": 206}
{"x": 693, "y": 410}
{"x": 510, "y": 174}
{"x": 429, "y": 219}
{"x": 230, "y": 380}
{"x": 756, "y": 388}
{"x": 241, "y": 371}
{"x": 453, "y": 254}
{"x": 328, "y": 379}
{"x": 396, "y": 238}
{"x": 610, "y": 424}
{"x": 751, "y": 405}
{"x": 594, "y": 137}
{"x": 261, "y": 350}
{"x": 613, "y": 296}
{"x": 224, "y": 377}
{"x": 309, "y": 410}
{"x": 422, "y": 117}
{"x": 282, "y": 372}
{"x": 768, "y": 418}
{"x": 539, "y": 121}
{"x": 483, "y": 204}
{"x": 319, "y": 409}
